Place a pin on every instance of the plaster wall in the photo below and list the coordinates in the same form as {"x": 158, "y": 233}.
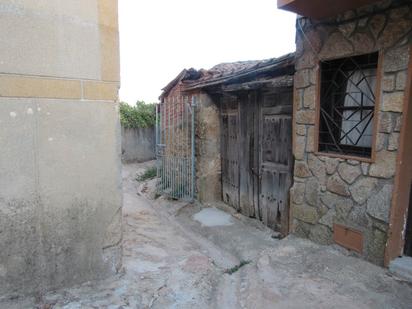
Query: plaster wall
{"x": 352, "y": 192}
{"x": 138, "y": 145}
{"x": 60, "y": 183}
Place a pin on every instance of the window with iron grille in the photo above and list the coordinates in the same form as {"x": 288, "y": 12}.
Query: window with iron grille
{"x": 347, "y": 105}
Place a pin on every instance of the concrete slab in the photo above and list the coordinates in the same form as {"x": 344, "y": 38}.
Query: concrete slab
{"x": 213, "y": 217}
{"x": 59, "y": 39}
{"x": 402, "y": 267}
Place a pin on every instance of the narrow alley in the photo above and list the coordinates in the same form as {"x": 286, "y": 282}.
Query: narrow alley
{"x": 179, "y": 255}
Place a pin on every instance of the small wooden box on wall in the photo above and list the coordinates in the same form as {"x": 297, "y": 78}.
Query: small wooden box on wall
{"x": 348, "y": 238}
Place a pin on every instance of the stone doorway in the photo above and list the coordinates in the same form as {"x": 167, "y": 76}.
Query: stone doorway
{"x": 399, "y": 239}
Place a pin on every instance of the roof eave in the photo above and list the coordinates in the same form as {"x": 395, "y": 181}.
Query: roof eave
{"x": 283, "y": 62}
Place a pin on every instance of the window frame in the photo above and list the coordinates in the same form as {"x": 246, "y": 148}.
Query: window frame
{"x": 376, "y": 110}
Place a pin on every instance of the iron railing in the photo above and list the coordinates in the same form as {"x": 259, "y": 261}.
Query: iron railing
{"x": 347, "y": 105}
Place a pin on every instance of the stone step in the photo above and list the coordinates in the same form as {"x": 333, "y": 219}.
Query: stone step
{"x": 402, "y": 267}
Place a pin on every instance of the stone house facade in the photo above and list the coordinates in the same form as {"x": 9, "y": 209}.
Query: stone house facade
{"x": 341, "y": 195}
{"x": 351, "y": 132}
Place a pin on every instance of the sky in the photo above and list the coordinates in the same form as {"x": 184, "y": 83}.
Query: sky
{"x": 160, "y": 38}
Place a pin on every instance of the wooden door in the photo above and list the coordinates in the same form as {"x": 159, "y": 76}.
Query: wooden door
{"x": 276, "y": 161}
{"x": 248, "y": 181}
{"x": 230, "y": 157}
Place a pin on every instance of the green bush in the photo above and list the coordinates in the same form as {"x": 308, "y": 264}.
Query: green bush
{"x": 140, "y": 116}
{"x": 148, "y": 174}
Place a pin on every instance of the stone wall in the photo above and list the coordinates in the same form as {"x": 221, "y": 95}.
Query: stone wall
{"x": 138, "y": 145}
{"x": 208, "y": 159}
{"x": 60, "y": 182}
{"x": 351, "y": 192}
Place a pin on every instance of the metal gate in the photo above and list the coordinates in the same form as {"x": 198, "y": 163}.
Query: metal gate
{"x": 175, "y": 147}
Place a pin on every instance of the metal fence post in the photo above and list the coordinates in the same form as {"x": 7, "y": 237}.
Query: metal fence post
{"x": 157, "y": 141}
{"x": 193, "y": 148}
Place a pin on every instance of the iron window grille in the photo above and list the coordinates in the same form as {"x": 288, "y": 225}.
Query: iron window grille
{"x": 347, "y": 105}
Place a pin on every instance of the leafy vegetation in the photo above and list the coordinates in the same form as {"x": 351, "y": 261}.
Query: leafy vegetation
{"x": 149, "y": 173}
{"x": 142, "y": 115}
{"x": 237, "y": 267}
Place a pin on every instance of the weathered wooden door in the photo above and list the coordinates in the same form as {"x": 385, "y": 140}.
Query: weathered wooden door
{"x": 230, "y": 157}
{"x": 276, "y": 161}
{"x": 257, "y": 155}
{"x": 248, "y": 155}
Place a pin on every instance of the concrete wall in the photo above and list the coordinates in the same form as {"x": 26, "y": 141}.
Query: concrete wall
{"x": 351, "y": 192}
{"x": 138, "y": 145}
{"x": 60, "y": 184}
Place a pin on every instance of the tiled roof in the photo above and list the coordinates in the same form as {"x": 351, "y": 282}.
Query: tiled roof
{"x": 225, "y": 72}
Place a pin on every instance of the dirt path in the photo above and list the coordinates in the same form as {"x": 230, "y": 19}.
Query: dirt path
{"x": 186, "y": 256}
